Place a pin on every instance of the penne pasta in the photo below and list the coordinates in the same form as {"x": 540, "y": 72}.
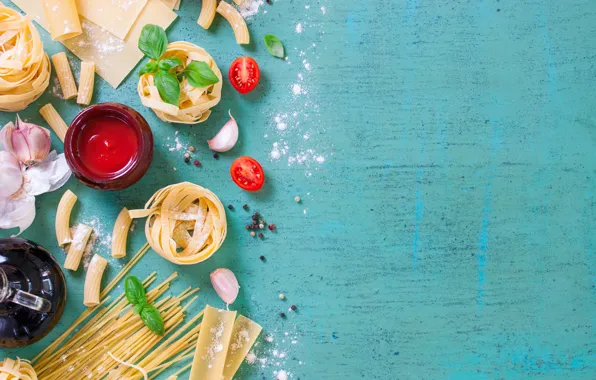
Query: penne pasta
{"x": 236, "y": 21}
{"x": 77, "y": 247}
{"x": 51, "y": 116}
{"x": 65, "y": 77}
{"x": 207, "y": 13}
{"x": 93, "y": 280}
{"x": 120, "y": 234}
{"x": 86, "y": 82}
{"x": 65, "y": 206}
{"x": 239, "y": 2}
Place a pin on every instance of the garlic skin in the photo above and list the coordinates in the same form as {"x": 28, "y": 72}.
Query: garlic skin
{"x": 225, "y": 284}
{"x": 226, "y": 138}
{"x": 11, "y": 175}
{"x": 30, "y": 143}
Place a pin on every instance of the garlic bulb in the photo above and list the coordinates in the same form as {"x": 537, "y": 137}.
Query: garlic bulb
{"x": 226, "y": 138}
{"x": 225, "y": 284}
{"x": 30, "y": 143}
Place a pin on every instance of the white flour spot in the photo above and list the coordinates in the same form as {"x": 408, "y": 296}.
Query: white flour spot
{"x": 296, "y": 89}
{"x": 299, "y": 28}
{"x": 250, "y": 8}
{"x": 324, "y": 10}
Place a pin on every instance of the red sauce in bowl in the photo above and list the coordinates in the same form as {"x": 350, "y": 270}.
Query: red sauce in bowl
{"x": 109, "y": 146}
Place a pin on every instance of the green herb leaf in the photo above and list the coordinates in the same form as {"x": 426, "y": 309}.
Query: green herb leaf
{"x": 274, "y": 46}
{"x": 152, "y": 319}
{"x": 149, "y": 67}
{"x": 168, "y": 86}
{"x": 199, "y": 74}
{"x": 140, "y": 306}
{"x": 134, "y": 291}
{"x": 169, "y": 63}
{"x": 153, "y": 41}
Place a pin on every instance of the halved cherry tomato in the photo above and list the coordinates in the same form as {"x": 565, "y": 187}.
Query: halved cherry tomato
{"x": 244, "y": 74}
{"x": 247, "y": 173}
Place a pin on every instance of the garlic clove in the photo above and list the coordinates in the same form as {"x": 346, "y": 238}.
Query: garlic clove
{"x": 38, "y": 140}
{"x": 30, "y": 143}
{"x": 227, "y": 136}
{"x": 11, "y": 175}
{"x": 225, "y": 284}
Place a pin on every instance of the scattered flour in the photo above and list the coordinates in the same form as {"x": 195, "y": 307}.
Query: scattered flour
{"x": 250, "y": 8}
{"x": 324, "y": 10}
{"x": 299, "y": 28}
{"x": 296, "y": 89}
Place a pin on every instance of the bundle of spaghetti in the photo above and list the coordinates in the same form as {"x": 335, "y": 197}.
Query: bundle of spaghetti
{"x": 195, "y": 103}
{"x": 115, "y": 337}
{"x": 24, "y": 67}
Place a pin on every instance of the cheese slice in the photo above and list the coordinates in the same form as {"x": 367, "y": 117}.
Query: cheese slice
{"x": 213, "y": 343}
{"x": 115, "y": 16}
{"x": 114, "y": 58}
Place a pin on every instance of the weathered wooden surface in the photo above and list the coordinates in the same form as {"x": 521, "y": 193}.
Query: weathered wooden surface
{"x": 449, "y": 232}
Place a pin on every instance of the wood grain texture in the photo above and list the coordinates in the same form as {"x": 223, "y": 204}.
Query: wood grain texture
{"x": 450, "y": 230}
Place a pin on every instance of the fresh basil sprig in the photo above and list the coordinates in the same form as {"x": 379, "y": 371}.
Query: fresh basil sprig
{"x": 153, "y": 42}
{"x": 135, "y": 294}
{"x": 274, "y": 46}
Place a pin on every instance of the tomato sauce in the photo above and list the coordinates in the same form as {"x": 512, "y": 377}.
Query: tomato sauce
{"x": 107, "y": 145}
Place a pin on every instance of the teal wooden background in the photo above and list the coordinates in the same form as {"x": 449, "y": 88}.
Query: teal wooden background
{"x": 449, "y": 229}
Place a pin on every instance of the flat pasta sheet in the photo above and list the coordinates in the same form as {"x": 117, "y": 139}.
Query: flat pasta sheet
{"x": 115, "y": 16}
{"x": 114, "y": 58}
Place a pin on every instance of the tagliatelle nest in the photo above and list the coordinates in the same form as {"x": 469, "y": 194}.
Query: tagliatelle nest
{"x": 16, "y": 369}
{"x": 24, "y": 67}
{"x": 195, "y": 103}
{"x": 186, "y": 223}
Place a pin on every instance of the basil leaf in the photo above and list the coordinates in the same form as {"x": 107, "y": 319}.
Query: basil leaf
{"x": 169, "y": 63}
{"x": 168, "y": 86}
{"x": 140, "y": 306}
{"x": 149, "y": 67}
{"x": 199, "y": 74}
{"x": 134, "y": 291}
{"x": 274, "y": 46}
{"x": 152, "y": 319}
{"x": 153, "y": 41}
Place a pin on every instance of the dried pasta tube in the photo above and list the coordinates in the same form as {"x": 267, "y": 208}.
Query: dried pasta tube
{"x": 207, "y": 13}
{"x": 65, "y": 77}
{"x": 120, "y": 234}
{"x": 65, "y": 206}
{"x": 63, "y": 18}
{"x": 52, "y": 117}
{"x": 239, "y": 2}
{"x": 93, "y": 280}
{"x": 77, "y": 247}
{"x": 216, "y": 331}
{"x": 86, "y": 82}
{"x": 236, "y": 21}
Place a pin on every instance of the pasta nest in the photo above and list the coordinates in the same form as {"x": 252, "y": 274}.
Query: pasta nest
{"x": 16, "y": 369}
{"x": 195, "y": 103}
{"x": 24, "y": 66}
{"x": 186, "y": 223}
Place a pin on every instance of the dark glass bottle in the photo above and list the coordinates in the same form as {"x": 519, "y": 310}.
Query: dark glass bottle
{"x": 32, "y": 292}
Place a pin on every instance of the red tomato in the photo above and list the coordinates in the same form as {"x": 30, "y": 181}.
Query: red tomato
{"x": 244, "y": 74}
{"x": 247, "y": 173}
